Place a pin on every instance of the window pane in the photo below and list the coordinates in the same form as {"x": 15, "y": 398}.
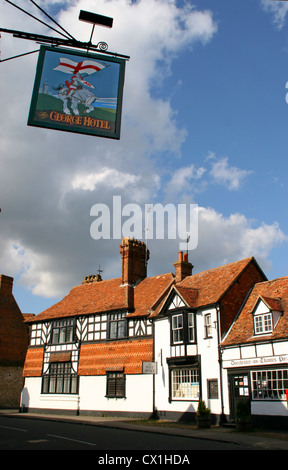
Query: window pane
{"x": 69, "y": 337}
{"x": 263, "y": 323}
{"x": 191, "y": 326}
{"x": 55, "y": 335}
{"x": 62, "y": 335}
{"x": 121, "y": 329}
{"x": 185, "y": 384}
{"x": 269, "y": 385}
{"x": 115, "y": 385}
{"x": 177, "y": 327}
{"x": 60, "y": 379}
{"x": 52, "y": 385}
{"x": 113, "y": 329}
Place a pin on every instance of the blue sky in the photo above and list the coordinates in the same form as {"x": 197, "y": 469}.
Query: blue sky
{"x": 204, "y": 121}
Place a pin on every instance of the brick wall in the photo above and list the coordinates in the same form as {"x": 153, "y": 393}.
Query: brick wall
{"x": 14, "y": 333}
{"x": 11, "y": 381}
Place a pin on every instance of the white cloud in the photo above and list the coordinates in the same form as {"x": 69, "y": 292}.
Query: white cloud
{"x": 228, "y": 175}
{"x": 279, "y": 10}
{"x": 191, "y": 179}
{"x": 224, "y": 239}
{"x": 50, "y": 180}
{"x": 106, "y": 176}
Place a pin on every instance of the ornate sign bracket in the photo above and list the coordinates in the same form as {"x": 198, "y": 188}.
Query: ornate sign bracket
{"x": 67, "y": 39}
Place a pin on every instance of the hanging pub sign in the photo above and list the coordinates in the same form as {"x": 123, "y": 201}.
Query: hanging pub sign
{"x": 78, "y": 92}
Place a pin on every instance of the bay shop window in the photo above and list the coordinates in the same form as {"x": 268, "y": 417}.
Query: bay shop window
{"x": 185, "y": 384}
{"x": 269, "y": 384}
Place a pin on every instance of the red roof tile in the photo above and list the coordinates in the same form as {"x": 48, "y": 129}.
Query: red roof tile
{"x": 87, "y": 299}
{"x": 197, "y": 290}
{"x": 214, "y": 283}
{"x": 149, "y": 292}
{"x": 98, "y": 358}
{"x": 208, "y": 287}
{"x": 275, "y": 295}
{"x": 105, "y": 296}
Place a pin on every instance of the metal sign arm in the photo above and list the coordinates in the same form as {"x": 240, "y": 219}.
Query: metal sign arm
{"x": 39, "y": 38}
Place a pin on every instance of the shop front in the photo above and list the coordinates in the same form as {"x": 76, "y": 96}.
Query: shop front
{"x": 262, "y": 383}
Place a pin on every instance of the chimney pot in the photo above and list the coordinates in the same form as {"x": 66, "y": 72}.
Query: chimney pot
{"x": 182, "y": 267}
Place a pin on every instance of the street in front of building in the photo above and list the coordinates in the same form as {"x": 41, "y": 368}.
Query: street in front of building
{"x": 111, "y": 438}
{"x": 40, "y": 434}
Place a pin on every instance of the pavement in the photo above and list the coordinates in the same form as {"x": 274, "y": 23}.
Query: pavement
{"x": 255, "y": 439}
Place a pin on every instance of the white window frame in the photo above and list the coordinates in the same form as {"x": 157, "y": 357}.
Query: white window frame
{"x": 270, "y": 384}
{"x": 208, "y": 325}
{"x": 263, "y": 323}
{"x": 191, "y": 327}
{"x": 178, "y": 328}
{"x": 185, "y": 384}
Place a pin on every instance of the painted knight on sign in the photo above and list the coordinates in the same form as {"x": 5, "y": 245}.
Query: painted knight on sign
{"x": 73, "y": 92}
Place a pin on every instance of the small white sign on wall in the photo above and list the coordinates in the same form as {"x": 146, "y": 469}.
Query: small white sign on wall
{"x": 149, "y": 367}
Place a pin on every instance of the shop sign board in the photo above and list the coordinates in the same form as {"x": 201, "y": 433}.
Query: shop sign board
{"x": 77, "y": 91}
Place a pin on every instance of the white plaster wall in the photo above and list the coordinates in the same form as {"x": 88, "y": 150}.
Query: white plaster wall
{"x": 31, "y": 397}
{"x": 162, "y": 351}
{"x": 209, "y": 366}
{"x": 269, "y": 408}
{"x": 139, "y": 393}
{"x": 92, "y": 390}
{"x": 208, "y": 349}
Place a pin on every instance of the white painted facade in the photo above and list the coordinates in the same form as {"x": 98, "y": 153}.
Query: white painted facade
{"x": 200, "y": 353}
{"x": 89, "y": 395}
{"x": 93, "y": 399}
{"x": 191, "y": 359}
{"x": 260, "y": 368}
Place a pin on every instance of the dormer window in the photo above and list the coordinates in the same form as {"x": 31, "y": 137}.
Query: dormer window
{"x": 263, "y": 323}
{"x": 266, "y": 314}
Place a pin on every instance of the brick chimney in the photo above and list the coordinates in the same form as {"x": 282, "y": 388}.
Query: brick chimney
{"x": 134, "y": 261}
{"x": 134, "y": 266}
{"x": 6, "y": 285}
{"x": 182, "y": 267}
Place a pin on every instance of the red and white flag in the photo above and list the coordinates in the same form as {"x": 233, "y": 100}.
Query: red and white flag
{"x": 85, "y": 66}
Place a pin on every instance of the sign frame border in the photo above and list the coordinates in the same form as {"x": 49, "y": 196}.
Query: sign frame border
{"x": 96, "y": 132}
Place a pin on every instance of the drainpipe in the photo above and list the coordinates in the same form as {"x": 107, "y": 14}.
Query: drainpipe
{"x": 154, "y": 411}
{"x": 220, "y": 366}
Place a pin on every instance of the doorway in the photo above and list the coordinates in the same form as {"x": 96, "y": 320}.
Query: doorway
{"x": 239, "y": 390}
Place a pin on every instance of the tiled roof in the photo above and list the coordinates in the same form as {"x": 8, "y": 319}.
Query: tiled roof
{"x": 149, "y": 293}
{"x": 213, "y": 283}
{"x": 197, "y": 290}
{"x": 275, "y": 295}
{"x": 105, "y": 296}
{"x": 87, "y": 299}
{"x": 273, "y": 304}
{"x": 208, "y": 287}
